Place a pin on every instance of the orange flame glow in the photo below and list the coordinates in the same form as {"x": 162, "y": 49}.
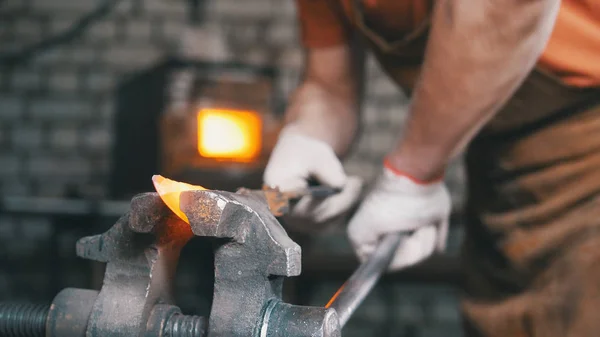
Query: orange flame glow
{"x": 170, "y": 191}
{"x": 229, "y": 134}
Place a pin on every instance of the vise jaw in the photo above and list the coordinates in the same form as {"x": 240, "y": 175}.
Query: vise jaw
{"x": 252, "y": 258}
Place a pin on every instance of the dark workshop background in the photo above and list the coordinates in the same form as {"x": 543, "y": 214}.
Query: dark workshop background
{"x": 56, "y": 134}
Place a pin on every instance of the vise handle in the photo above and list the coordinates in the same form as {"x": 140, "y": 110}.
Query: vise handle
{"x": 351, "y": 294}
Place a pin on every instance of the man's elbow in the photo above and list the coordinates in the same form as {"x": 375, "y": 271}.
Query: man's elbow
{"x": 536, "y": 16}
{"x": 528, "y": 23}
{"x": 538, "y": 21}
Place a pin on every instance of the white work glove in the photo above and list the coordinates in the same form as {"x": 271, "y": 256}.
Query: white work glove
{"x": 295, "y": 159}
{"x": 399, "y": 204}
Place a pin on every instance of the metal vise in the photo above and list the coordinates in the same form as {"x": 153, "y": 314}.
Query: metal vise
{"x": 253, "y": 255}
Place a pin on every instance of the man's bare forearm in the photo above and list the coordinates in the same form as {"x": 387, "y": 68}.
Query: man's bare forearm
{"x": 479, "y": 53}
{"x": 325, "y": 115}
{"x": 325, "y": 106}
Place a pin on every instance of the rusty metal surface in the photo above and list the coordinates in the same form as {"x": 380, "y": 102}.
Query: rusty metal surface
{"x": 277, "y": 201}
{"x": 250, "y": 266}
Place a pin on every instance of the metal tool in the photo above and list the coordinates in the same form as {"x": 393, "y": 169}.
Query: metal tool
{"x": 279, "y": 202}
{"x": 252, "y": 257}
{"x": 347, "y": 299}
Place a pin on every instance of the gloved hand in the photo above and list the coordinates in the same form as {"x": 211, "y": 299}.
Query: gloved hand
{"x": 397, "y": 203}
{"x": 297, "y": 158}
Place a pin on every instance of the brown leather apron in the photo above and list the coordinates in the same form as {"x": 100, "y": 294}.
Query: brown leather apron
{"x": 531, "y": 257}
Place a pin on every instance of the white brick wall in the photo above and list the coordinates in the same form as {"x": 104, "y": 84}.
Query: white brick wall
{"x": 16, "y": 186}
{"x": 60, "y": 23}
{"x": 173, "y": 9}
{"x": 97, "y": 140}
{"x": 61, "y": 104}
{"x": 61, "y": 108}
{"x": 64, "y": 81}
{"x": 282, "y": 33}
{"x": 26, "y": 137}
{"x": 28, "y": 28}
{"x": 11, "y": 107}
{"x": 291, "y": 57}
{"x": 99, "y": 81}
{"x": 128, "y": 56}
{"x": 25, "y": 80}
{"x": 14, "y": 5}
{"x": 10, "y": 165}
{"x": 138, "y": 30}
{"x": 235, "y": 10}
{"x": 67, "y": 167}
{"x": 64, "y": 139}
{"x": 104, "y": 30}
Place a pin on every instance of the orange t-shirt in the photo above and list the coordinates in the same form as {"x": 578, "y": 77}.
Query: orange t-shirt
{"x": 573, "y": 52}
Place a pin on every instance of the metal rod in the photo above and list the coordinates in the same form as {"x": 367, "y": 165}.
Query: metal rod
{"x": 317, "y": 192}
{"x": 321, "y": 192}
{"x": 350, "y": 295}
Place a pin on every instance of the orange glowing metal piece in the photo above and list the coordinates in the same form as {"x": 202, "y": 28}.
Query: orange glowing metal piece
{"x": 229, "y": 134}
{"x": 335, "y": 296}
{"x": 170, "y": 190}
